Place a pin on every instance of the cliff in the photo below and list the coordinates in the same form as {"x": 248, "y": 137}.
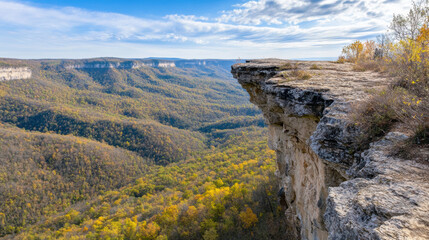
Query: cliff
{"x": 14, "y": 73}
{"x": 328, "y": 190}
{"x": 12, "y": 69}
{"x": 104, "y": 63}
{"x": 117, "y": 64}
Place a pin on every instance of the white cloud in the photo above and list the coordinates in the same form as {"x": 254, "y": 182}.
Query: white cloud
{"x": 265, "y": 28}
{"x": 296, "y": 11}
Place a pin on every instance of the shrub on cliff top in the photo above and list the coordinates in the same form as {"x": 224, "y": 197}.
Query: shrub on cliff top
{"x": 315, "y": 67}
{"x": 341, "y": 60}
{"x": 405, "y": 56}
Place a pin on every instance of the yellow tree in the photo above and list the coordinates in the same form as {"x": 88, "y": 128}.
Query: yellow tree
{"x": 129, "y": 228}
{"x": 423, "y": 41}
{"x": 248, "y": 218}
{"x": 369, "y": 50}
{"x": 353, "y": 51}
{"x": 148, "y": 230}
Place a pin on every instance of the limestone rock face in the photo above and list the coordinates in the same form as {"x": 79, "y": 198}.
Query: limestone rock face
{"x": 389, "y": 198}
{"x": 328, "y": 191}
{"x": 14, "y": 73}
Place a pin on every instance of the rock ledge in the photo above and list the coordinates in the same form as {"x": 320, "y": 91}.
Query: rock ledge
{"x": 328, "y": 191}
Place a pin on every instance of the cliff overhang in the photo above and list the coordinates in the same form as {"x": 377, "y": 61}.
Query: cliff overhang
{"x": 329, "y": 190}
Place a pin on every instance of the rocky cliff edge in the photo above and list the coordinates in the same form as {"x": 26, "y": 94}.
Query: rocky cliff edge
{"x": 328, "y": 190}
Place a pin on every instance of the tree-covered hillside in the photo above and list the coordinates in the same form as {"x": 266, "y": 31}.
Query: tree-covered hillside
{"x": 136, "y": 140}
{"x": 226, "y": 192}
{"x": 159, "y": 113}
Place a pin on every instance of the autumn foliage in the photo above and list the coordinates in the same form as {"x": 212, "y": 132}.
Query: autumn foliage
{"x": 147, "y": 153}
{"x": 227, "y": 192}
{"x": 404, "y": 55}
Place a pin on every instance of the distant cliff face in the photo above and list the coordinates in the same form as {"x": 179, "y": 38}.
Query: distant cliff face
{"x": 12, "y": 69}
{"x": 328, "y": 191}
{"x": 118, "y": 65}
{"x": 138, "y": 63}
{"x": 14, "y": 73}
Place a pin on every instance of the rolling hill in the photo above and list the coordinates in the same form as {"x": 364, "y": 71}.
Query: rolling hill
{"x": 78, "y": 129}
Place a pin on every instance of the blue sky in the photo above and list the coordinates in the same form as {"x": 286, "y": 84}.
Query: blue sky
{"x": 146, "y": 8}
{"x": 189, "y": 29}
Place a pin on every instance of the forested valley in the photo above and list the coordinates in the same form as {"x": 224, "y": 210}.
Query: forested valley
{"x": 124, "y": 152}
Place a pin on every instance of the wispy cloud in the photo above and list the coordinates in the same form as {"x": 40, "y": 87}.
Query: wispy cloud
{"x": 264, "y": 28}
{"x": 276, "y": 12}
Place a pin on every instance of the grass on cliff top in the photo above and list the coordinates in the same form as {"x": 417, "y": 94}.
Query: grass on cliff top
{"x": 393, "y": 109}
{"x": 291, "y": 72}
{"x": 315, "y": 67}
{"x": 404, "y": 105}
{"x": 296, "y": 75}
{"x": 288, "y": 66}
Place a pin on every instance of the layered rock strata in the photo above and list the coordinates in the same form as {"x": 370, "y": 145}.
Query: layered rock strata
{"x": 14, "y": 73}
{"x": 328, "y": 190}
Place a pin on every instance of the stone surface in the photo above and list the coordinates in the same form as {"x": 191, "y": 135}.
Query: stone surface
{"x": 388, "y": 199}
{"x": 328, "y": 191}
{"x": 14, "y": 73}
